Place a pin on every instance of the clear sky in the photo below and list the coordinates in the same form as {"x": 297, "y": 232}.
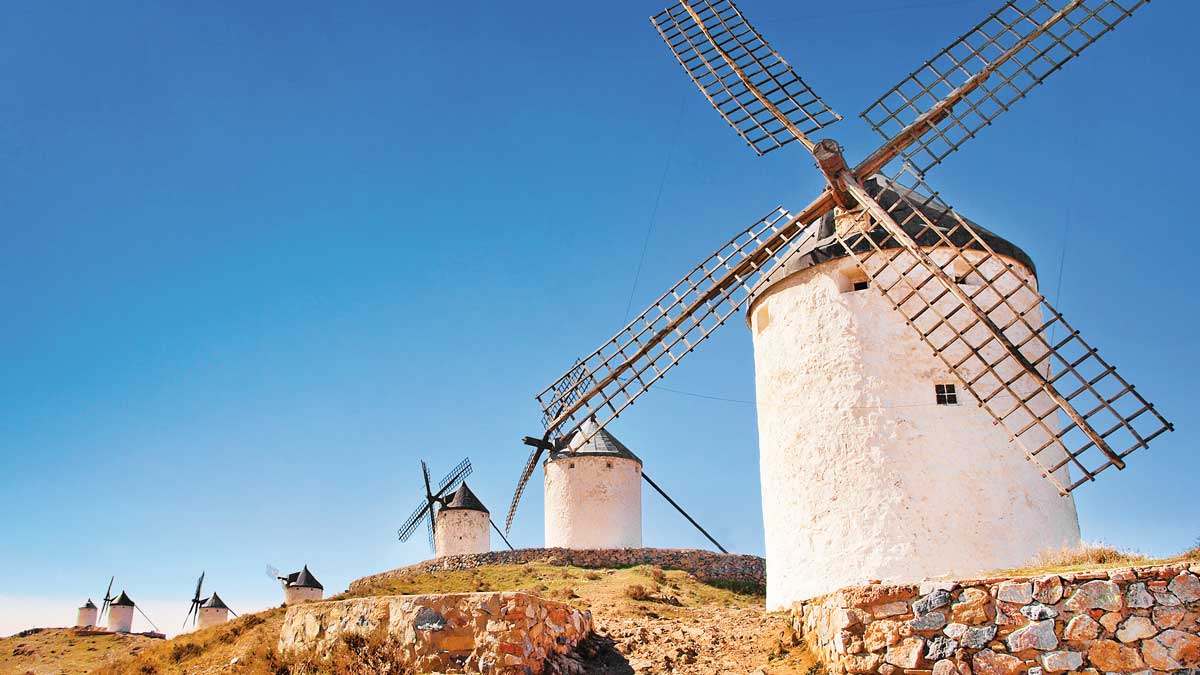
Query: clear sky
{"x": 257, "y": 261}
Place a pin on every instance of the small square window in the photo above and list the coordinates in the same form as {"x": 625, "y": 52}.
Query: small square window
{"x": 861, "y": 285}
{"x": 946, "y": 394}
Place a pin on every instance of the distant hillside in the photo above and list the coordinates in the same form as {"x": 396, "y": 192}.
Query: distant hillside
{"x": 51, "y": 651}
{"x": 647, "y": 620}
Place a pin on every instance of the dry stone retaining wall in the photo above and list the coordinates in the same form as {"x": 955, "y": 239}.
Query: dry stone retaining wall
{"x": 704, "y": 565}
{"x": 1137, "y": 620}
{"x": 454, "y": 632}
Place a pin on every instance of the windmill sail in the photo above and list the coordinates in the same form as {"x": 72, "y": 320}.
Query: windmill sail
{"x": 984, "y": 319}
{"x": 425, "y": 511}
{"x": 962, "y": 89}
{"x": 744, "y": 79}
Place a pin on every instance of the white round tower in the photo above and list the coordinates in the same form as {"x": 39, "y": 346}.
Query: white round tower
{"x": 120, "y": 614}
{"x": 875, "y": 462}
{"x": 462, "y": 525}
{"x": 213, "y": 612}
{"x": 301, "y": 586}
{"x": 594, "y": 497}
{"x": 86, "y": 618}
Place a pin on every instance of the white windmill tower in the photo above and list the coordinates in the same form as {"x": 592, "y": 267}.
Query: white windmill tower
{"x": 456, "y": 521}
{"x": 905, "y": 361}
{"x": 120, "y": 614}
{"x": 87, "y": 615}
{"x": 593, "y": 493}
{"x": 300, "y": 587}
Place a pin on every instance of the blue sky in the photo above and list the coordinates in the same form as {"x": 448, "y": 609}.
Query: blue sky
{"x": 259, "y": 261}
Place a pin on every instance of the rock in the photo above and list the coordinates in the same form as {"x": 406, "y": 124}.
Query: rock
{"x": 1015, "y": 592}
{"x": 1048, "y": 590}
{"x": 906, "y": 653}
{"x": 929, "y": 621}
{"x": 955, "y": 630}
{"x": 1111, "y": 621}
{"x": 1158, "y": 657}
{"x": 1009, "y": 614}
{"x": 890, "y": 609}
{"x": 1186, "y": 587}
{"x": 988, "y": 662}
{"x": 971, "y": 607}
{"x": 1034, "y": 670}
{"x": 1038, "y": 612}
{"x": 844, "y": 618}
{"x": 1136, "y": 628}
{"x": 880, "y": 634}
{"x": 945, "y": 667}
{"x": 976, "y": 638}
{"x": 1167, "y": 617}
{"x": 1114, "y": 657}
{"x": 1037, "y": 635}
{"x": 1096, "y": 594}
{"x": 1166, "y": 599}
{"x": 1183, "y": 647}
{"x": 930, "y": 585}
{"x": 1057, "y": 662}
{"x": 887, "y": 669}
{"x": 935, "y": 600}
{"x": 1138, "y": 597}
{"x": 862, "y": 663}
{"x": 940, "y": 647}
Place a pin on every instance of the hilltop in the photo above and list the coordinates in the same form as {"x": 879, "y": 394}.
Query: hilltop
{"x": 50, "y": 651}
{"x": 647, "y": 619}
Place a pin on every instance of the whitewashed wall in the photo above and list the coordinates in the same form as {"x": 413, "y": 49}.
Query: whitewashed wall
{"x": 86, "y": 617}
{"x": 293, "y": 595}
{"x": 862, "y": 476}
{"x": 120, "y": 619}
{"x": 593, "y": 501}
{"x": 461, "y": 531}
{"x": 211, "y": 616}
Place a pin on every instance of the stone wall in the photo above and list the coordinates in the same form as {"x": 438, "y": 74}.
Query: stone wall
{"x": 1132, "y": 620}
{"x": 704, "y": 565}
{"x": 456, "y": 632}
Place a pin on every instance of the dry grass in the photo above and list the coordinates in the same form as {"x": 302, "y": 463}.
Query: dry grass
{"x": 247, "y": 638}
{"x": 1088, "y": 556}
{"x": 60, "y": 650}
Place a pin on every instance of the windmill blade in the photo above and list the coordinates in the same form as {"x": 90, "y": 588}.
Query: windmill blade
{"x": 108, "y": 598}
{"x": 453, "y": 478}
{"x": 685, "y": 514}
{"x": 139, "y": 609}
{"x": 413, "y": 521}
{"x": 429, "y": 529}
{"x": 273, "y": 572}
{"x": 984, "y": 319}
{"x": 962, "y": 89}
{"x": 526, "y": 473}
{"x": 744, "y": 79}
{"x": 199, "y": 586}
{"x": 658, "y": 338}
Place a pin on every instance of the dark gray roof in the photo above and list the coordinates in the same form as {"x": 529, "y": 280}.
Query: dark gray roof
{"x": 89, "y": 604}
{"x": 304, "y": 579}
{"x": 825, "y": 246}
{"x": 123, "y": 600}
{"x": 464, "y": 500}
{"x": 601, "y": 443}
{"x": 214, "y": 602}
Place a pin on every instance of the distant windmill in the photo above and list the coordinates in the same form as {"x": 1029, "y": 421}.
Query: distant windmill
{"x": 455, "y": 509}
{"x": 208, "y": 611}
{"x": 194, "y": 609}
{"x": 846, "y": 490}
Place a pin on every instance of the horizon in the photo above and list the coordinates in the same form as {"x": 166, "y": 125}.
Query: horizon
{"x": 261, "y": 261}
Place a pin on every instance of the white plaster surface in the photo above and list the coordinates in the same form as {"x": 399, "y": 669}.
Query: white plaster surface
{"x": 86, "y": 617}
{"x": 593, "y": 501}
{"x": 863, "y": 476}
{"x": 120, "y": 618}
{"x": 293, "y": 594}
{"x": 211, "y": 616}
{"x": 461, "y": 531}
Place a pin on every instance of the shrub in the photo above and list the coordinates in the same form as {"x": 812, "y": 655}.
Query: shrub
{"x": 184, "y": 650}
{"x": 1085, "y": 554}
{"x": 636, "y": 592}
{"x": 591, "y": 575}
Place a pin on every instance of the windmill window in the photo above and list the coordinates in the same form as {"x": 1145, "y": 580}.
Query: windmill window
{"x": 571, "y": 465}
{"x": 861, "y": 285}
{"x": 608, "y": 465}
{"x": 946, "y": 394}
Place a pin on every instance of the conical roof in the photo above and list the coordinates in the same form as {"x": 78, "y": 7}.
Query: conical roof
{"x": 89, "y": 604}
{"x": 123, "y": 600}
{"x": 214, "y": 602}
{"x": 601, "y": 443}
{"x": 304, "y": 579}
{"x": 465, "y": 500}
{"x": 825, "y": 246}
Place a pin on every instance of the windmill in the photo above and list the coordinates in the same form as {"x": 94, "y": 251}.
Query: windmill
{"x": 1053, "y": 399}
{"x": 194, "y": 609}
{"x": 452, "y": 497}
